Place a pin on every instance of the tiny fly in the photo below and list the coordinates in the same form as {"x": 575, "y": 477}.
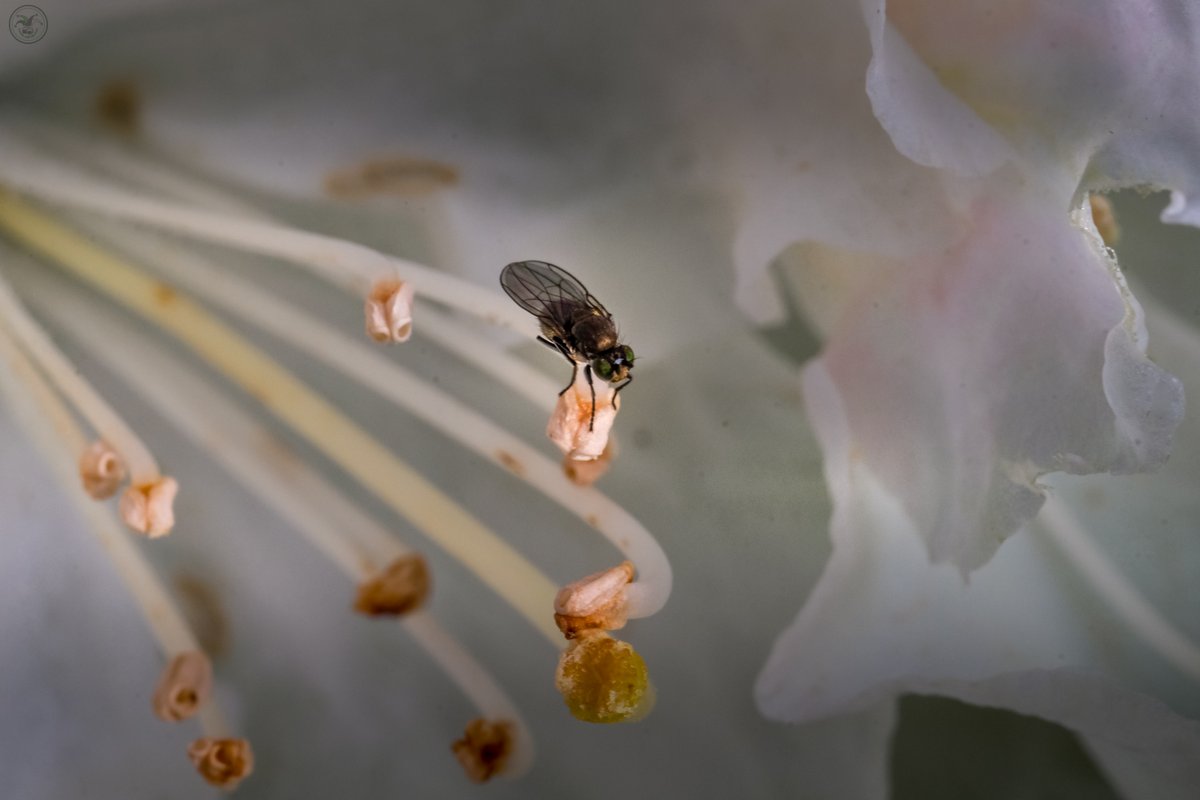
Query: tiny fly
{"x": 572, "y": 321}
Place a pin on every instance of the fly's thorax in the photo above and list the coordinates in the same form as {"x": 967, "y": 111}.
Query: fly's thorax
{"x": 595, "y": 333}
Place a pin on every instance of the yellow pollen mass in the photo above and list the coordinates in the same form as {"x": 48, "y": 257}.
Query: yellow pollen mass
{"x": 604, "y": 680}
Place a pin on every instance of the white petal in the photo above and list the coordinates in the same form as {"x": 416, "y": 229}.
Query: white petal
{"x": 883, "y": 621}
{"x": 1079, "y": 91}
{"x": 965, "y": 374}
{"x": 1025, "y": 632}
{"x": 926, "y": 122}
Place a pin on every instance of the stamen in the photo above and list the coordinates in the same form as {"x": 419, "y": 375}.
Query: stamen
{"x": 1105, "y": 218}
{"x": 604, "y": 680}
{"x": 223, "y": 762}
{"x": 400, "y": 589}
{"x": 43, "y": 415}
{"x": 350, "y": 266}
{"x": 1126, "y": 602}
{"x": 596, "y": 602}
{"x": 396, "y": 483}
{"x": 484, "y": 749}
{"x": 438, "y": 409}
{"x": 119, "y": 161}
{"x": 315, "y": 507}
{"x": 389, "y": 312}
{"x": 149, "y": 508}
{"x": 101, "y": 470}
{"x": 78, "y": 392}
{"x": 185, "y": 685}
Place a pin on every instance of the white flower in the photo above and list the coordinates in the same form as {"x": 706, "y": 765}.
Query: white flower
{"x": 955, "y": 375}
{"x": 646, "y": 149}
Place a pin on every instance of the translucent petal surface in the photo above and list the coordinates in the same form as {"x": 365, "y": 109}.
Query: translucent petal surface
{"x": 964, "y": 375}
{"x": 1026, "y": 632}
{"x": 1093, "y": 92}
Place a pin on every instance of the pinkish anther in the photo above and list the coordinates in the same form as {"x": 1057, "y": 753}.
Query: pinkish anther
{"x": 596, "y": 602}
{"x": 388, "y": 310}
{"x": 101, "y": 470}
{"x": 571, "y": 426}
{"x": 222, "y": 762}
{"x": 149, "y": 508}
{"x": 185, "y": 685}
{"x": 485, "y": 748}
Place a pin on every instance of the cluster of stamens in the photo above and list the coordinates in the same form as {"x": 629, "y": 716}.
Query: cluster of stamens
{"x": 94, "y": 242}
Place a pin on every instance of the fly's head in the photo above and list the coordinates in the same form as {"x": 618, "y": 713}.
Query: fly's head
{"x": 614, "y": 365}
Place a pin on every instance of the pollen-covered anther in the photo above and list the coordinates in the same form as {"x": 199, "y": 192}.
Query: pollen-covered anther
{"x": 401, "y": 588}
{"x": 184, "y": 686}
{"x": 571, "y": 426}
{"x": 223, "y": 762}
{"x": 1105, "y": 219}
{"x": 149, "y": 508}
{"x": 596, "y": 602}
{"x": 101, "y": 469}
{"x": 604, "y": 680}
{"x": 485, "y": 748}
{"x": 388, "y": 310}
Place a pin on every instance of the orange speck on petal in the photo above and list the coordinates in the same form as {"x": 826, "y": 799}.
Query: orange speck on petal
{"x": 165, "y": 294}
{"x": 118, "y": 106}
{"x": 510, "y": 463}
{"x": 397, "y": 175}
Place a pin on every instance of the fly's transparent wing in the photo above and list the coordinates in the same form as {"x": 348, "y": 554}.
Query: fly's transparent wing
{"x": 550, "y": 293}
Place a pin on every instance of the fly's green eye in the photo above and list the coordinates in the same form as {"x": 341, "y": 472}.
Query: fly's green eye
{"x": 628, "y": 353}
{"x": 603, "y": 367}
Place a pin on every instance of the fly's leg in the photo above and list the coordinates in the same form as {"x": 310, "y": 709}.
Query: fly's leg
{"x": 616, "y": 391}
{"x": 558, "y": 345}
{"x": 587, "y": 373}
{"x": 574, "y": 372}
